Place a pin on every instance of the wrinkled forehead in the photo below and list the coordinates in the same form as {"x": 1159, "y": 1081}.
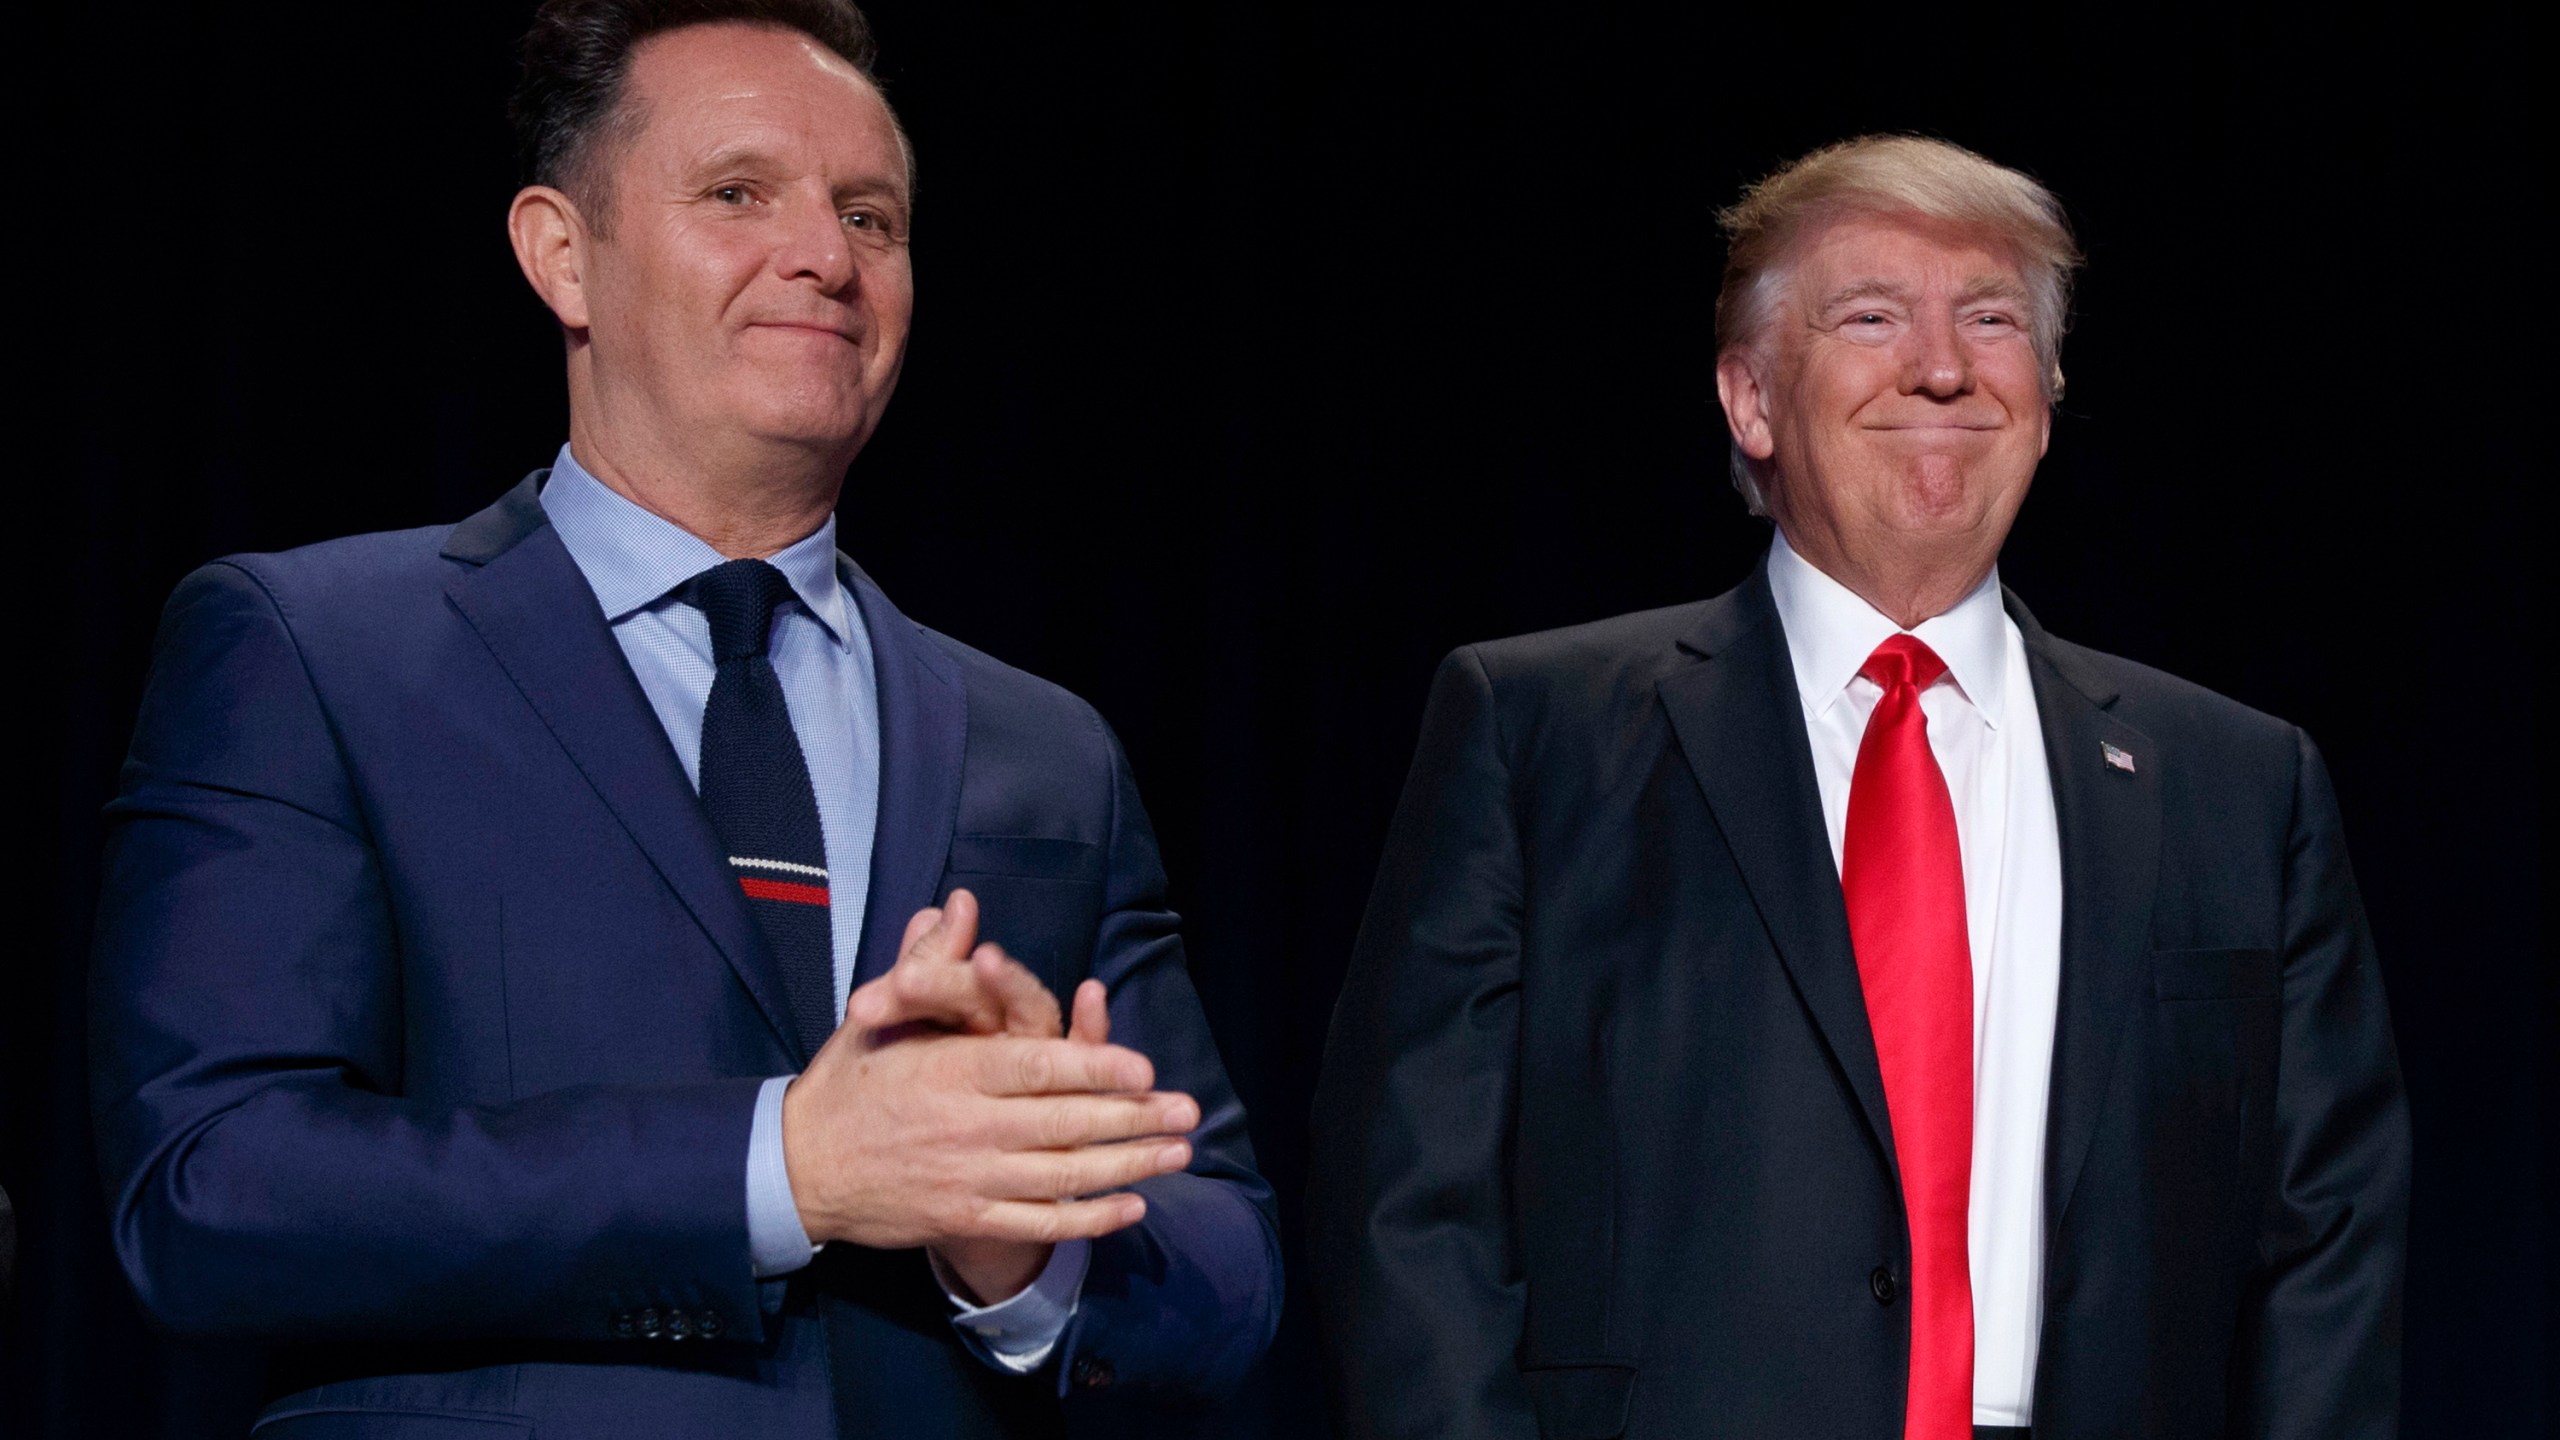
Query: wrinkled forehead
{"x": 733, "y": 58}
{"x": 715, "y": 87}
{"x": 1899, "y": 255}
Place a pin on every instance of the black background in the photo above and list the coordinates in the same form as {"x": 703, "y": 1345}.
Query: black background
{"x": 1262, "y": 355}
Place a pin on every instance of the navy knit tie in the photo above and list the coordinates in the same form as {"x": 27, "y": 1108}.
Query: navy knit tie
{"x": 755, "y": 783}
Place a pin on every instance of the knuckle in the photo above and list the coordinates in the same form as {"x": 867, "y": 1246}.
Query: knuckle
{"x": 1059, "y": 1128}
{"x": 959, "y": 1215}
{"x": 1066, "y": 1179}
{"x": 1035, "y": 1069}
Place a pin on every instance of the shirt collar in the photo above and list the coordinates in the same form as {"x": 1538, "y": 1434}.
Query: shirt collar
{"x": 1831, "y": 632}
{"x": 634, "y": 559}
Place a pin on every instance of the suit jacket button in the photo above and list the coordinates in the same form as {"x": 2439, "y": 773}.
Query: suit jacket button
{"x": 652, "y": 1325}
{"x": 1090, "y": 1374}
{"x": 679, "y": 1324}
{"x": 1880, "y": 1283}
{"x": 708, "y": 1327}
{"x": 623, "y": 1328}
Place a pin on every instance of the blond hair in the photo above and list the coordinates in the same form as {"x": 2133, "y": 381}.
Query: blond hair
{"x": 1891, "y": 175}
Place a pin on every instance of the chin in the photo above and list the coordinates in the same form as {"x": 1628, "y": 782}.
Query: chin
{"x": 1940, "y": 492}
{"x": 1935, "y": 492}
{"x": 825, "y": 420}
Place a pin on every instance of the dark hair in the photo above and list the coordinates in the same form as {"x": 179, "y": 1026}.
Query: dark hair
{"x": 577, "y": 57}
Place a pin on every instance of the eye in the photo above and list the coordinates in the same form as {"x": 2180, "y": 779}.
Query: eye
{"x": 1867, "y": 317}
{"x": 869, "y": 222}
{"x": 731, "y": 195}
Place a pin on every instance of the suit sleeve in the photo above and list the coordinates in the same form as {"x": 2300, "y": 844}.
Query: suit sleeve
{"x": 268, "y": 1177}
{"x": 1411, "y": 1242}
{"x": 2320, "y": 1345}
{"x": 1184, "y": 1302}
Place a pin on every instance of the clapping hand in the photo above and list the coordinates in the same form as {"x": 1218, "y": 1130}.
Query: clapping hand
{"x": 947, "y": 1112}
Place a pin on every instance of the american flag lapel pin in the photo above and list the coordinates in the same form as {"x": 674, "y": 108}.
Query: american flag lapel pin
{"x": 2116, "y": 759}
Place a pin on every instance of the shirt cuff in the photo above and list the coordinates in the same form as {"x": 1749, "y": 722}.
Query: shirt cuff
{"x": 1017, "y": 1335}
{"x": 776, "y": 1244}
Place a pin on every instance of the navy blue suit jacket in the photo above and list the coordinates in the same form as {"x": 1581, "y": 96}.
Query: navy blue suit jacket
{"x": 428, "y": 1018}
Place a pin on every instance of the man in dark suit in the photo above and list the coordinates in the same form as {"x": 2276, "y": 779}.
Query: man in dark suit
{"x": 1840, "y": 1008}
{"x": 599, "y": 969}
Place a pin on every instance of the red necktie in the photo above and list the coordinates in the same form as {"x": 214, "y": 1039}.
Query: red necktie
{"x": 1903, "y": 876}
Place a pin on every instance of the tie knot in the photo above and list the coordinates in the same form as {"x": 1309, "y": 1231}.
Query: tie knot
{"x": 1903, "y": 660}
{"x": 738, "y": 598}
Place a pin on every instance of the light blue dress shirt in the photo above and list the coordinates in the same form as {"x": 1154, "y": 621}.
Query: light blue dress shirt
{"x": 636, "y": 562}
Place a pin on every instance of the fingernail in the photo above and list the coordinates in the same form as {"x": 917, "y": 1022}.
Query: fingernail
{"x": 1174, "y": 1156}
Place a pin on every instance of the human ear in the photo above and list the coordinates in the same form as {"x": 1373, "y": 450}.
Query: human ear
{"x": 1746, "y": 409}
{"x": 552, "y": 242}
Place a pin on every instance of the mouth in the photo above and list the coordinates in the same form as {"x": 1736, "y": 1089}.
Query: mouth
{"x": 809, "y": 328}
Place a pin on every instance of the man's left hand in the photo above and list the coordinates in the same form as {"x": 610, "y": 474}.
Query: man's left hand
{"x": 947, "y": 983}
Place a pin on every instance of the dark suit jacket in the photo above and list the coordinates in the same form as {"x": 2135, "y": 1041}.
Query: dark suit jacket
{"x": 1601, "y": 1144}
{"x": 429, "y": 1019}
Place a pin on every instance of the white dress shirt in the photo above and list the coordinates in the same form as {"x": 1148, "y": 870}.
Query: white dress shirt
{"x": 1984, "y": 732}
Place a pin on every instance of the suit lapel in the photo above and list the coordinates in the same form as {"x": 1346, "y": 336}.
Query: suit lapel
{"x": 533, "y": 609}
{"x": 1741, "y": 726}
{"x": 924, "y": 727}
{"x": 2108, "y": 819}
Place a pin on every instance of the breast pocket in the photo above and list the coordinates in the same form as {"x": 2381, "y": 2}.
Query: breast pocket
{"x": 2215, "y": 1018}
{"x": 1581, "y": 1402}
{"x": 1039, "y": 898}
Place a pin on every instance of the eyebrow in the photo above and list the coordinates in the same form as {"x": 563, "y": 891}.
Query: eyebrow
{"x": 731, "y": 157}
{"x": 1871, "y": 288}
{"x": 1981, "y": 287}
{"x": 1992, "y": 287}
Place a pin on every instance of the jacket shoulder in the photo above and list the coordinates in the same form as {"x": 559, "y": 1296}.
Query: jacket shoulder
{"x": 2223, "y": 749}
{"x": 2153, "y": 700}
{"x": 1578, "y": 691}
{"x": 358, "y": 572}
{"x": 1009, "y": 703}
{"x": 1639, "y": 646}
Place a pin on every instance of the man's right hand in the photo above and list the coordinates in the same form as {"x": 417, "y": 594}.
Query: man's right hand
{"x": 898, "y": 1142}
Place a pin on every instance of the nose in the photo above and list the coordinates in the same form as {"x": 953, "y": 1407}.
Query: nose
{"x": 813, "y": 245}
{"x": 1938, "y": 363}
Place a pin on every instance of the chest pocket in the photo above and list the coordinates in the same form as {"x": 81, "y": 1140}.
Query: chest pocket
{"x": 1040, "y": 899}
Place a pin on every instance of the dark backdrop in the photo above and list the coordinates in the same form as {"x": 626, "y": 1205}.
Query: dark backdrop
{"x": 1264, "y": 354}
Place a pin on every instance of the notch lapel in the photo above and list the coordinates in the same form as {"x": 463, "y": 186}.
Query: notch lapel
{"x": 1741, "y": 727}
{"x": 529, "y": 604}
{"x": 924, "y": 730}
{"x": 2108, "y": 820}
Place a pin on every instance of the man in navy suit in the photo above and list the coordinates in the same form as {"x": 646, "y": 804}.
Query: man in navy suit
{"x": 449, "y": 1037}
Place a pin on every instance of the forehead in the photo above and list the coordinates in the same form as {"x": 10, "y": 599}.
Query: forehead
{"x": 1903, "y": 252}
{"x": 708, "y": 88}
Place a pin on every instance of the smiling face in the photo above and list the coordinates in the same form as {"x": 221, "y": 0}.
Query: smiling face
{"x": 752, "y": 285}
{"x": 1897, "y": 396}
